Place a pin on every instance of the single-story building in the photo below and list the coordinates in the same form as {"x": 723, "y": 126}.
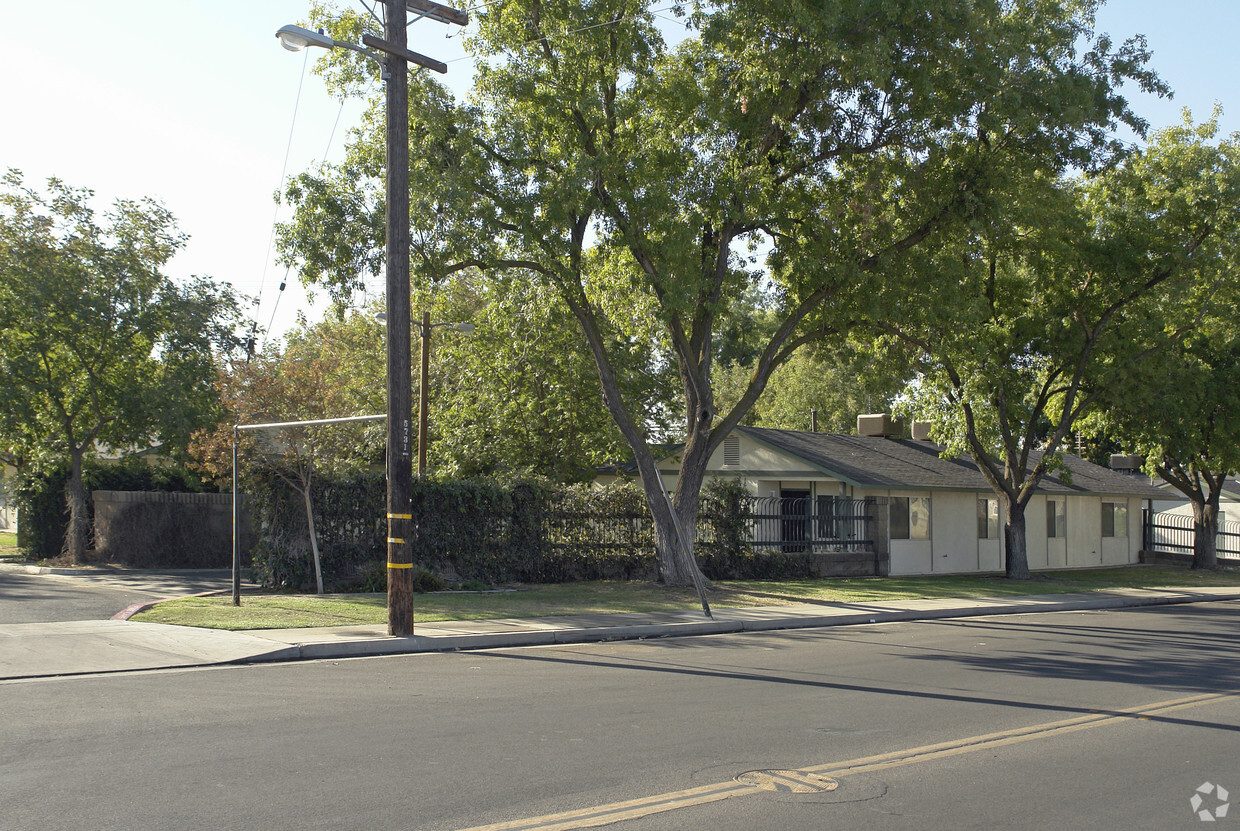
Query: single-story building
{"x": 1172, "y": 501}
{"x": 925, "y": 514}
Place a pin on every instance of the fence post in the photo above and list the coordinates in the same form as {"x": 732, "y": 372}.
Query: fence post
{"x": 880, "y": 525}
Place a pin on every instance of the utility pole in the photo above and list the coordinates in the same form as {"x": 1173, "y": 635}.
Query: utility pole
{"x": 392, "y": 53}
{"x": 399, "y": 401}
{"x": 399, "y": 358}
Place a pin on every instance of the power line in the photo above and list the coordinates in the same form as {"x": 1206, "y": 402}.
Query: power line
{"x": 288, "y": 148}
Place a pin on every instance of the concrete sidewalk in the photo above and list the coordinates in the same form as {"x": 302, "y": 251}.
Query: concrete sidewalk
{"x": 39, "y": 650}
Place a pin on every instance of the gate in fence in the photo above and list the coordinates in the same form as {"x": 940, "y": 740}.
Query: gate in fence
{"x": 1168, "y": 533}
{"x": 821, "y": 524}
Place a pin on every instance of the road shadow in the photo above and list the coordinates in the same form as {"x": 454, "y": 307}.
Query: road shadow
{"x": 1184, "y": 675}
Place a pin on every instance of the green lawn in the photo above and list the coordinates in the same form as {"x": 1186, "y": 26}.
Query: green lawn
{"x": 284, "y": 611}
{"x": 8, "y": 545}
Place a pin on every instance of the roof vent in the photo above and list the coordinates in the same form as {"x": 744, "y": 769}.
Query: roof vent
{"x": 920, "y": 430}
{"x": 879, "y": 425}
{"x": 1126, "y": 462}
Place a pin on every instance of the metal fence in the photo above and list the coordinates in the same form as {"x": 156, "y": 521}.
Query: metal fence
{"x": 825, "y": 523}
{"x": 1173, "y": 534}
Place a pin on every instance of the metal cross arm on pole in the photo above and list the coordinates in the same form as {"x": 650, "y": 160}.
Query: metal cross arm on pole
{"x": 404, "y": 54}
{"x": 275, "y": 424}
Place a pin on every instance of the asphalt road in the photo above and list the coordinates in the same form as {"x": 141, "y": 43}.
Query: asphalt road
{"x": 51, "y": 598}
{"x": 1071, "y": 720}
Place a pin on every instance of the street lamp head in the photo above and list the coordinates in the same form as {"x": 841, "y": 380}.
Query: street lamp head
{"x": 296, "y": 38}
{"x": 466, "y": 328}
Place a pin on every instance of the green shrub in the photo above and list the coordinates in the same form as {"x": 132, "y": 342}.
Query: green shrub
{"x": 41, "y": 503}
{"x": 487, "y": 532}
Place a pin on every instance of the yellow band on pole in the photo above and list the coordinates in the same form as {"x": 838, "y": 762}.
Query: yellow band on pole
{"x": 400, "y": 565}
{"x": 400, "y": 516}
{"x": 396, "y": 540}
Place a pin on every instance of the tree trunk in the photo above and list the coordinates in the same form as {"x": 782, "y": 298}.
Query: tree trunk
{"x": 1205, "y": 533}
{"x": 1016, "y": 562}
{"x": 673, "y": 566}
{"x": 314, "y": 542}
{"x": 78, "y": 532}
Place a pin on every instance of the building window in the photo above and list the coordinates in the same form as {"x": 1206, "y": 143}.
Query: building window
{"x": 910, "y": 517}
{"x": 1114, "y": 519}
{"x": 988, "y": 519}
{"x": 1056, "y": 517}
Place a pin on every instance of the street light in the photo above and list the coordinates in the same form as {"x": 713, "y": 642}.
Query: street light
{"x": 424, "y": 385}
{"x": 295, "y": 38}
{"x": 394, "y": 56}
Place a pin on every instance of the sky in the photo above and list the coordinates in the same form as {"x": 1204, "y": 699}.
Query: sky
{"x": 192, "y": 102}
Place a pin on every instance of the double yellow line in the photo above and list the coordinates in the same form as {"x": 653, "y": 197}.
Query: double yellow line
{"x": 675, "y": 800}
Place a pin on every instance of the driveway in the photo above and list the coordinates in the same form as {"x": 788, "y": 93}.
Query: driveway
{"x": 94, "y": 595}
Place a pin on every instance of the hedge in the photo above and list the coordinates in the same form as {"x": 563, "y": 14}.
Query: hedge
{"x": 490, "y": 532}
{"x": 44, "y": 510}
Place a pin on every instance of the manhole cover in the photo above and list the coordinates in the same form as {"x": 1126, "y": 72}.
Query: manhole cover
{"x": 788, "y": 781}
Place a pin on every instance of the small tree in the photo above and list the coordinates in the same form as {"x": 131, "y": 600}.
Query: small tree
{"x": 97, "y": 345}
{"x": 308, "y": 379}
{"x": 1180, "y": 409}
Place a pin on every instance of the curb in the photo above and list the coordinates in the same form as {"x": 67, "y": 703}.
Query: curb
{"x": 415, "y": 644}
{"x": 130, "y": 611}
{"x": 284, "y": 645}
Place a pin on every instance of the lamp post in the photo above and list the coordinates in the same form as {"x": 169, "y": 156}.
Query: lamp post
{"x": 394, "y": 56}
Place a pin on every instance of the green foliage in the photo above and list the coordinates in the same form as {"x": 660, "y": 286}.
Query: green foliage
{"x": 484, "y": 532}
{"x": 519, "y": 395}
{"x": 840, "y": 383}
{"x": 40, "y": 496}
{"x": 800, "y": 145}
{"x": 1061, "y": 297}
{"x": 97, "y": 345}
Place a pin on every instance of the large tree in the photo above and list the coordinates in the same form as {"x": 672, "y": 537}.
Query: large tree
{"x": 829, "y": 387}
{"x": 1059, "y": 297}
{"x": 97, "y": 344}
{"x": 519, "y": 394}
{"x": 805, "y": 143}
{"x": 1180, "y": 407}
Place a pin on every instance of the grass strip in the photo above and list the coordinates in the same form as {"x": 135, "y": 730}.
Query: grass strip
{"x": 8, "y": 545}
{"x": 287, "y": 611}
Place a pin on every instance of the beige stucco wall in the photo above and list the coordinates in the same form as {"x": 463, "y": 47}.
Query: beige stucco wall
{"x": 1084, "y": 531}
{"x": 954, "y": 547}
{"x": 1036, "y": 542}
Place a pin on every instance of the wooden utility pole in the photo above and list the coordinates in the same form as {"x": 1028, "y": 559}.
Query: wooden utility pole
{"x": 395, "y": 46}
{"x": 392, "y": 53}
{"x": 399, "y": 398}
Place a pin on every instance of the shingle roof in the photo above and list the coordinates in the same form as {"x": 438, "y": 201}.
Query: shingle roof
{"x": 903, "y": 463}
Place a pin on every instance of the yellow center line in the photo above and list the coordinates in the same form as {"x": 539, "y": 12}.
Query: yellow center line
{"x": 1002, "y": 738}
{"x": 616, "y": 811}
{"x": 705, "y": 794}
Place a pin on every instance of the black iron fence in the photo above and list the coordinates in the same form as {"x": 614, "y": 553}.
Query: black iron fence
{"x": 1173, "y": 534}
{"x": 819, "y": 524}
